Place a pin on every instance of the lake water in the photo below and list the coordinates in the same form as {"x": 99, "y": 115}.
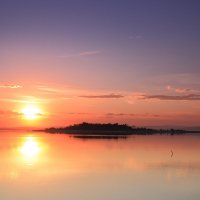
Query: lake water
{"x": 40, "y": 166}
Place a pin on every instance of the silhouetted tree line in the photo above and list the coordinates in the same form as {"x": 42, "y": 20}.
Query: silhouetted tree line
{"x": 122, "y": 129}
{"x": 96, "y": 126}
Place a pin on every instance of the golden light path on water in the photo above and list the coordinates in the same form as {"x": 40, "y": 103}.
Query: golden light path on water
{"x": 30, "y": 150}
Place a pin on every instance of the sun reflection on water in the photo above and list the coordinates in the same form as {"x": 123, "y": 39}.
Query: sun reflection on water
{"x": 30, "y": 150}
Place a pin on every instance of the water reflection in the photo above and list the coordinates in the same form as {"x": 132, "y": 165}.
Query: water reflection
{"x": 30, "y": 149}
{"x": 70, "y": 168}
{"x": 106, "y": 137}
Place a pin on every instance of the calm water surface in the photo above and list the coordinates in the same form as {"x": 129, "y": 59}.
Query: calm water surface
{"x": 39, "y": 166}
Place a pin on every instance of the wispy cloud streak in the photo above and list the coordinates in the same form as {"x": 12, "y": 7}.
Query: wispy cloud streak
{"x": 180, "y": 90}
{"x": 49, "y": 89}
{"x": 15, "y": 113}
{"x": 85, "y": 53}
{"x": 104, "y": 96}
{"x": 9, "y": 113}
{"x": 132, "y": 115}
{"x": 189, "y": 97}
{"x": 10, "y": 86}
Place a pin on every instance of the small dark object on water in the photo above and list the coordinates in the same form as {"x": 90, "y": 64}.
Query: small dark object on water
{"x": 172, "y": 153}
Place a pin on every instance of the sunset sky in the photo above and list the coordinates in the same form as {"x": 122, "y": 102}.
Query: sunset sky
{"x": 128, "y": 61}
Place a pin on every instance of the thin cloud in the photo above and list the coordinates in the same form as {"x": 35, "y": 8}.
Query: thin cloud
{"x": 135, "y": 115}
{"x": 105, "y": 96}
{"x": 85, "y": 53}
{"x": 183, "y": 90}
{"x": 78, "y": 113}
{"x": 160, "y": 116}
{"x": 49, "y": 89}
{"x": 131, "y": 99}
{"x": 10, "y": 86}
{"x": 9, "y": 113}
{"x": 25, "y": 99}
{"x": 89, "y": 53}
{"x": 180, "y": 90}
{"x": 189, "y": 97}
{"x": 116, "y": 114}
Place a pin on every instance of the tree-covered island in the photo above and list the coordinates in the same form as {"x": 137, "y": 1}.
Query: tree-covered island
{"x": 110, "y": 129}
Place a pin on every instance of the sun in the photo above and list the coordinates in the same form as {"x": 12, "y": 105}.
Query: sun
{"x": 31, "y": 112}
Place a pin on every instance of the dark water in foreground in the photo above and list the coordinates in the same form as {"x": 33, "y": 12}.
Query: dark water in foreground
{"x": 39, "y": 166}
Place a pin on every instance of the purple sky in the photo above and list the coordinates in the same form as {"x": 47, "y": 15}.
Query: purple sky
{"x": 145, "y": 51}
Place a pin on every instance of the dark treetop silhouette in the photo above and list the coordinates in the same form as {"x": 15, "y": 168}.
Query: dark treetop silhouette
{"x": 109, "y": 129}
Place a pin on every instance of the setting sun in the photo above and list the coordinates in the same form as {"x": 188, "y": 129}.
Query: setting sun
{"x": 31, "y": 112}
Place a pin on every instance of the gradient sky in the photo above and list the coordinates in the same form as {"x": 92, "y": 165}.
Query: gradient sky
{"x": 130, "y": 61}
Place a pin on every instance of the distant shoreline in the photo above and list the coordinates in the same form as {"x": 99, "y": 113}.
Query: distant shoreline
{"x": 112, "y": 129}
